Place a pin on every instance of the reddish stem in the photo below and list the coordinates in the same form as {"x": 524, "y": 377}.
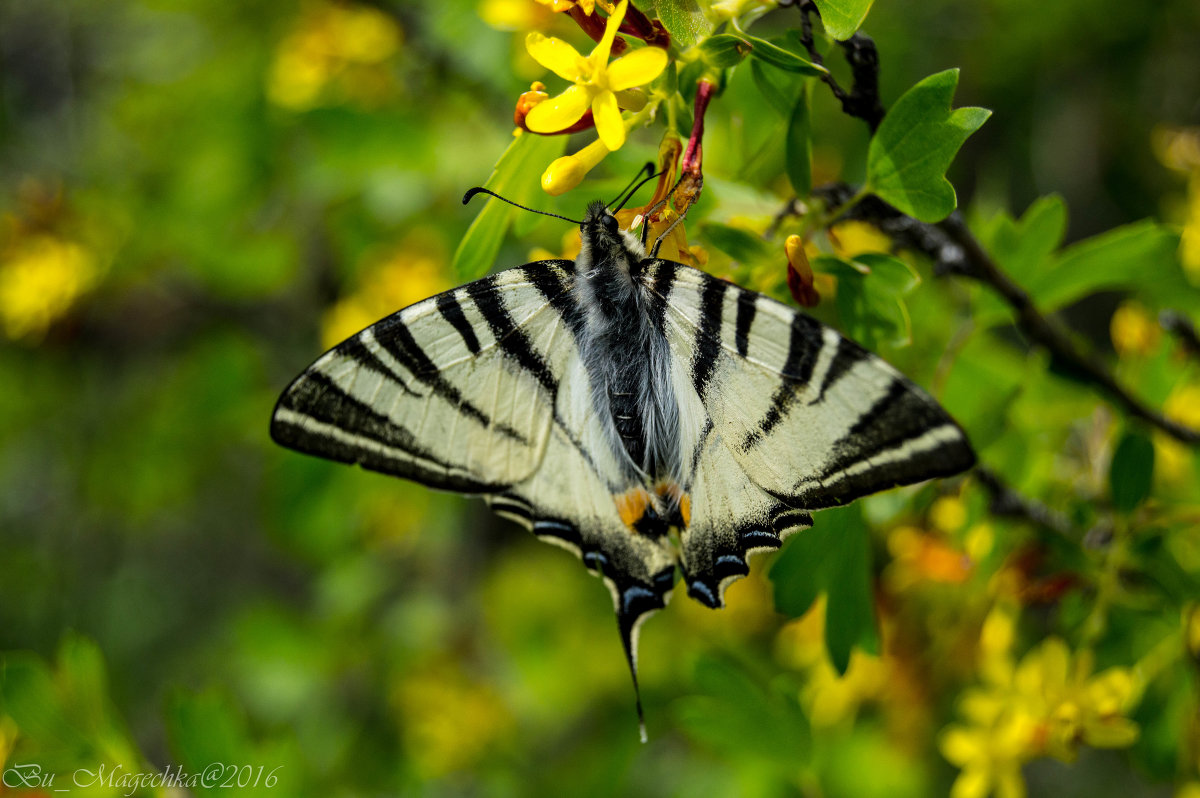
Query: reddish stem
{"x": 694, "y": 154}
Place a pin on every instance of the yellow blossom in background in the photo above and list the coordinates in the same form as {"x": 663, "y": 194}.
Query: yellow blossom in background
{"x": 564, "y": 173}
{"x": 600, "y": 86}
{"x": 1048, "y": 704}
{"x": 449, "y": 722}
{"x": 829, "y": 698}
{"x": 855, "y": 237}
{"x": 1178, "y": 148}
{"x": 1173, "y": 460}
{"x": 338, "y": 46}
{"x": 918, "y": 556}
{"x": 571, "y": 244}
{"x": 948, "y": 514}
{"x": 1134, "y": 331}
{"x": 586, "y": 6}
{"x": 41, "y": 277}
{"x": 513, "y": 15}
{"x": 396, "y": 282}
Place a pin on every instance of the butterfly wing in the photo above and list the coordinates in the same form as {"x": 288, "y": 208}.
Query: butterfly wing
{"x": 482, "y": 390}
{"x": 456, "y": 392}
{"x": 806, "y": 419}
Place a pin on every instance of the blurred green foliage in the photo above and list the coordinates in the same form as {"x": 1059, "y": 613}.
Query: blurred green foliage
{"x": 198, "y": 196}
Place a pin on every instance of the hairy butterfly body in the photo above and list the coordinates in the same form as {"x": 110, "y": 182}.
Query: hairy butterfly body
{"x": 605, "y": 401}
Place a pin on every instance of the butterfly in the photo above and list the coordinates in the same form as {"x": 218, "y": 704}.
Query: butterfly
{"x": 641, "y": 413}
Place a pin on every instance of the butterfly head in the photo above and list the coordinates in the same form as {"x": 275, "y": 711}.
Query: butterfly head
{"x": 603, "y": 238}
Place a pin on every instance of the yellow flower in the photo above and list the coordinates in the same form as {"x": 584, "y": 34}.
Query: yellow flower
{"x": 1048, "y": 705}
{"x": 397, "y": 281}
{"x": 40, "y": 279}
{"x": 564, "y": 173}
{"x": 586, "y": 6}
{"x": 450, "y": 721}
{"x": 343, "y": 45}
{"x": 1134, "y": 331}
{"x": 601, "y": 86}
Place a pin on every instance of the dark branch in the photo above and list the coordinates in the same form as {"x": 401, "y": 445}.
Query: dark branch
{"x": 1007, "y": 503}
{"x": 1182, "y": 328}
{"x": 955, "y": 250}
{"x": 862, "y": 101}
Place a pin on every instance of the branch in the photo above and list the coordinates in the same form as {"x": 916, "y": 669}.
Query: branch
{"x": 1051, "y": 333}
{"x": 1182, "y": 328}
{"x": 956, "y": 251}
{"x": 862, "y": 101}
{"x": 1007, "y": 503}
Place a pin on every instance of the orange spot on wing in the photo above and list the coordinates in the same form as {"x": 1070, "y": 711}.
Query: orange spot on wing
{"x": 632, "y": 506}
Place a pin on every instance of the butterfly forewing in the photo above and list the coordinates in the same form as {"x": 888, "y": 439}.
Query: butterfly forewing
{"x": 456, "y": 392}
{"x": 809, "y": 416}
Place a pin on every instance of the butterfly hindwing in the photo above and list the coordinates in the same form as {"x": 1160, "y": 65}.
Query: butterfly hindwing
{"x": 456, "y": 392}
{"x": 809, "y": 416}
{"x": 730, "y": 517}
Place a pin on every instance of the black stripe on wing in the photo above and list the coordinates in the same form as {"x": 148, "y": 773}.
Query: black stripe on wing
{"x": 451, "y": 310}
{"x": 804, "y": 346}
{"x": 905, "y": 437}
{"x": 322, "y": 419}
{"x": 554, "y": 279}
{"x": 508, "y": 334}
{"x": 396, "y": 338}
{"x": 708, "y": 337}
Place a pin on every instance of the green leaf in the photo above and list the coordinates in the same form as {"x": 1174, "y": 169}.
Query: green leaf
{"x": 1131, "y": 472}
{"x": 782, "y": 58}
{"x": 914, "y": 145}
{"x": 798, "y": 152}
{"x": 842, "y": 18}
{"x": 741, "y": 245}
{"x": 834, "y": 558}
{"x": 517, "y": 176}
{"x": 724, "y": 50}
{"x": 870, "y": 295}
{"x": 738, "y": 714}
{"x": 770, "y": 84}
{"x": 684, "y": 20}
{"x": 1119, "y": 258}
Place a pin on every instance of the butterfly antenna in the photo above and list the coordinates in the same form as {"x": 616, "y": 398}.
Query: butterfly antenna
{"x": 481, "y": 190}
{"x": 632, "y": 189}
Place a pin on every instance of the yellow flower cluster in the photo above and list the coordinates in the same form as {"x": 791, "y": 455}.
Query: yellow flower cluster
{"x": 599, "y": 87}
{"x": 334, "y": 48}
{"x": 449, "y": 720}
{"x": 393, "y": 282}
{"x": 41, "y": 277}
{"x": 831, "y": 699}
{"x": 1047, "y": 705}
{"x": 1179, "y": 149}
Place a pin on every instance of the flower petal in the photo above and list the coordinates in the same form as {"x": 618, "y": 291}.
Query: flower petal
{"x": 554, "y": 54}
{"x": 599, "y": 55}
{"x": 637, "y": 68}
{"x": 558, "y": 113}
{"x": 608, "y": 120}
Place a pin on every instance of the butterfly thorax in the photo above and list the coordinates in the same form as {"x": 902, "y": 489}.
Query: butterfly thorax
{"x": 626, "y": 355}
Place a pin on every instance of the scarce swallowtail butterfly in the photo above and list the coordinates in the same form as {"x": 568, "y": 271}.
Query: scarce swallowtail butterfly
{"x": 606, "y": 401}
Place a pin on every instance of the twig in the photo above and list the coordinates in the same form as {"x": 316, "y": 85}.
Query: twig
{"x": 1182, "y": 328}
{"x": 1051, "y": 333}
{"x": 1007, "y": 503}
{"x": 955, "y": 249}
{"x": 862, "y": 101}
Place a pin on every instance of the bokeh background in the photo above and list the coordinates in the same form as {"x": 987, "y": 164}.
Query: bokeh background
{"x": 197, "y": 198}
